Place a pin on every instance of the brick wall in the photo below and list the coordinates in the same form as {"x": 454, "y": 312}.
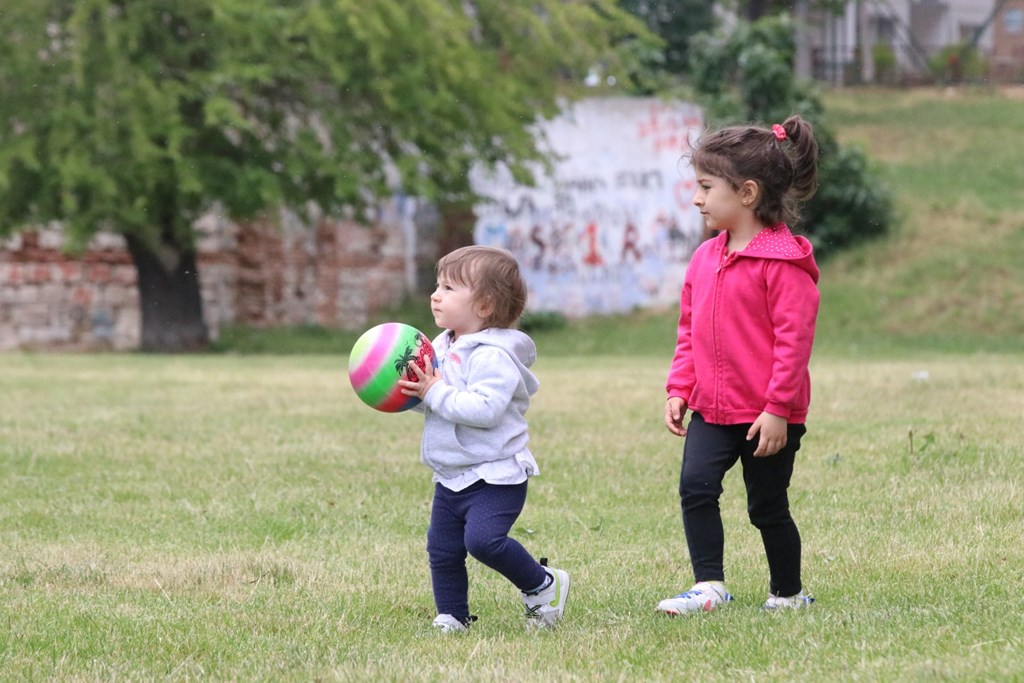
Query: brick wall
{"x": 264, "y": 274}
{"x": 1008, "y": 42}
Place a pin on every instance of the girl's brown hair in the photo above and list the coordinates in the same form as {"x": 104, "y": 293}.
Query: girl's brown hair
{"x": 785, "y": 170}
{"x": 493, "y": 276}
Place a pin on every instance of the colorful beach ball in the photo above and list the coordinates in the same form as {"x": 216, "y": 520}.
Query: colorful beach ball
{"x": 381, "y": 357}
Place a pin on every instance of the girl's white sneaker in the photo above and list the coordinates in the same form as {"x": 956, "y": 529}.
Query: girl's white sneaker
{"x": 792, "y": 602}
{"x": 705, "y": 596}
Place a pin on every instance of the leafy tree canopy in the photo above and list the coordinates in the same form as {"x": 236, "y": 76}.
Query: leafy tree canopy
{"x": 676, "y": 22}
{"x": 140, "y": 116}
{"x": 136, "y": 115}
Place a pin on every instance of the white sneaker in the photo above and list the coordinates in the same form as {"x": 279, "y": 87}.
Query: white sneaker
{"x": 792, "y": 602}
{"x": 446, "y": 623}
{"x": 705, "y": 596}
{"x": 546, "y": 607}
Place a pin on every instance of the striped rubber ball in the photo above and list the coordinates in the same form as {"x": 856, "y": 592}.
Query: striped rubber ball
{"x": 381, "y": 357}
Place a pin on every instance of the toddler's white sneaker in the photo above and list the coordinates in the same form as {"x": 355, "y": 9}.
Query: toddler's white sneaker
{"x": 545, "y": 608}
{"x": 446, "y": 623}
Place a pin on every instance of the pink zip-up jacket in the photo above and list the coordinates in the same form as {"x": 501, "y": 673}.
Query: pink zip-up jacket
{"x": 746, "y": 327}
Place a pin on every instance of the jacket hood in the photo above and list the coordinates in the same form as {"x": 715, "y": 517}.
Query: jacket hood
{"x": 513, "y": 342}
{"x": 778, "y": 242}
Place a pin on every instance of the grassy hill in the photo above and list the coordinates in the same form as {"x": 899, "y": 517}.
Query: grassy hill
{"x": 949, "y": 277}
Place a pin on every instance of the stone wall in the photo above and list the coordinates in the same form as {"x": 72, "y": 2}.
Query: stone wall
{"x": 263, "y": 274}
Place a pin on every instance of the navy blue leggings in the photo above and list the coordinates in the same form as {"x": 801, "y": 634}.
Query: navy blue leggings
{"x": 476, "y": 520}
{"x": 710, "y": 451}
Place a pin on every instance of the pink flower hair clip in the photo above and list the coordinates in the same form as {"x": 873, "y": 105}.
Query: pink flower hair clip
{"x": 780, "y": 132}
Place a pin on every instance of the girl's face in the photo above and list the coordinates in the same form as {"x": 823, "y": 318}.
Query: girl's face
{"x": 454, "y": 309}
{"x": 721, "y": 206}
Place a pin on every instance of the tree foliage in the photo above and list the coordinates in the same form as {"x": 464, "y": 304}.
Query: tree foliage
{"x": 676, "y": 22}
{"x": 746, "y": 74}
{"x": 138, "y": 117}
{"x": 752, "y": 10}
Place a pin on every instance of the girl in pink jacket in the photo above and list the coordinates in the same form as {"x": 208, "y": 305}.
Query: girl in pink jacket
{"x": 746, "y": 326}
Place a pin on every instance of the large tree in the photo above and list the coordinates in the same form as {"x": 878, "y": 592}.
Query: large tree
{"x": 137, "y": 116}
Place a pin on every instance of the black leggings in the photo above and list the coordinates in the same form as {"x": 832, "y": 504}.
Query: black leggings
{"x": 711, "y": 451}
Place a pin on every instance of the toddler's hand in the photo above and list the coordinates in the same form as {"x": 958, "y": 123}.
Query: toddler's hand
{"x": 423, "y": 381}
{"x": 675, "y": 410}
{"x": 774, "y": 434}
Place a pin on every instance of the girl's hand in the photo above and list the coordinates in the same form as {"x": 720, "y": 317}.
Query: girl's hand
{"x": 423, "y": 381}
{"x": 675, "y": 410}
{"x": 774, "y": 434}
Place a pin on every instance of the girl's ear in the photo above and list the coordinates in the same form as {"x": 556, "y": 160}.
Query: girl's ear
{"x": 750, "y": 193}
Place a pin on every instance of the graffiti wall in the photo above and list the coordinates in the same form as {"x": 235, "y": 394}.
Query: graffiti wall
{"x": 612, "y": 228}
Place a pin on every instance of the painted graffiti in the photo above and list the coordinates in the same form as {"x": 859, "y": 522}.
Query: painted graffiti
{"x": 613, "y": 228}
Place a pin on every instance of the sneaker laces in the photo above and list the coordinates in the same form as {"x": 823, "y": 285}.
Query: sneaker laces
{"x": 694, "y": 592}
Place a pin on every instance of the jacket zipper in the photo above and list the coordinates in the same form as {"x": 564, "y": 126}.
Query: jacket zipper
{"x": 722, "y": 263}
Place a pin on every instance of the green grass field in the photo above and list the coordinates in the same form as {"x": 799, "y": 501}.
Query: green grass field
{"x": 244, "y": 517}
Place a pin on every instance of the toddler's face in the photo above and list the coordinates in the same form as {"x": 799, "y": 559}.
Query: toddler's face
{"x": 454, "y": 308}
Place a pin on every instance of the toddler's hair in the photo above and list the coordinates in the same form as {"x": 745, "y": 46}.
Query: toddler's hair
{"x": 786, "y": 170}
{"x": 493, "y": 276}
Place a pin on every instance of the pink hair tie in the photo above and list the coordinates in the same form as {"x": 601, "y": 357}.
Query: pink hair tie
{"x": 780, "y": 132}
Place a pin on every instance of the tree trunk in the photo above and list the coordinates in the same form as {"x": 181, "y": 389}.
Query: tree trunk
{"x": 169, "y": 298}
{"x": 803, "y": 65}
{"x": 756, "y": 9}
{"x": 865, "y": 43}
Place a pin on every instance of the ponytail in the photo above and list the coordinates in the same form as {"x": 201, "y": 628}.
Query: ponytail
{"x": 803, "y": 152}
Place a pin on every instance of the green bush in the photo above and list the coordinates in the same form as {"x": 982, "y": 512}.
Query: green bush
{"x": 850, "y": 206}
{"x": 957, "y": 63}
{"x": 885, "y": 63}
{"x": 542, "y": 321}
{"x": 746, "y": 74}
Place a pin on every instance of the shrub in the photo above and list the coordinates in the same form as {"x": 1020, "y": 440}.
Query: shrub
{"x": 957, "y": 63}
{"x": 885, "y": 63}
{"x": 542, "y": 321}
{"x": 849, "y": 207}
{"x": 746, "y": 74}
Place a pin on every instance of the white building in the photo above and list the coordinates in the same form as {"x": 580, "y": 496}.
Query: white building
{"x": 891, "y": 39}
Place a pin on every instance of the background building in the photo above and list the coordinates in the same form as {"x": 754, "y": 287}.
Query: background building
{"x": 905, "y": 41}
{"x": 1008, "y": 42}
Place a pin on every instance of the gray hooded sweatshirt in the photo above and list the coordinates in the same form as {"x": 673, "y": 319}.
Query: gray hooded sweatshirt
{"x": 477, "y": 414}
